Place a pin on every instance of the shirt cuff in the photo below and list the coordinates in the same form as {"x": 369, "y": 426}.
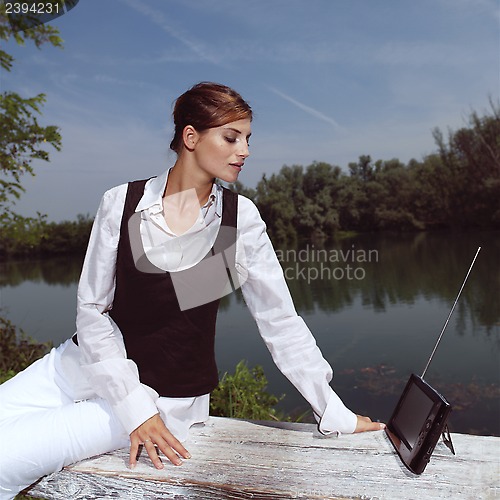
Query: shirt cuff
{"x": 137, "y": 407}
{"x": 337, "y": 418}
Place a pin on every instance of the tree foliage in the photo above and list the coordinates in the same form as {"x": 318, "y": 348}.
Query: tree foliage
{"x": 22, "y": 138}
{"x": 471, "y": 156}
{"x": 25, "y": 237}
{"x": 456, "y": 187}
{"x": 39, "y": 35}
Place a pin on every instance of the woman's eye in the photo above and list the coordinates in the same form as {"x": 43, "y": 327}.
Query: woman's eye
{"x": 231, "y": 139}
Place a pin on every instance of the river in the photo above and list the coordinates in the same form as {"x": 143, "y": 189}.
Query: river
{"x": 375, "y": 303}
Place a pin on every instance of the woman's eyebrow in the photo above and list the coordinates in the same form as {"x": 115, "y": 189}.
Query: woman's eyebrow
{"x": 237, "y": 131}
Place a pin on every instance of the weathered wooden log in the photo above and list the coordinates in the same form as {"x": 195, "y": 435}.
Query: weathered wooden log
{"x": 238, "y": 459}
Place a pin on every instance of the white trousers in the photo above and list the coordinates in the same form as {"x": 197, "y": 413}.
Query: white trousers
{"x": 42, "y": 428}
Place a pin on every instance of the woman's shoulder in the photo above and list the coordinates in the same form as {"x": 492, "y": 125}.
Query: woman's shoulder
{"x": 246, "y": 205}
{"x": 116, "y": 193}
{"x": 248, "y": 213}
{"x": 113, "y": 200}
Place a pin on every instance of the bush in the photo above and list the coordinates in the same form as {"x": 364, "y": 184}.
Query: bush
{"x": 243, "y": 395}
{"x": 17, "y": 351}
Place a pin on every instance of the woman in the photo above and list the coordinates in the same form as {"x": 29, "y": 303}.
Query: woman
{"x": 162, "y": 252}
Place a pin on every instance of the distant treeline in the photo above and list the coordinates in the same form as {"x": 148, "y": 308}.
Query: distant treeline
{"x": 28, "y": 237}
{"x": 457, "y": 187}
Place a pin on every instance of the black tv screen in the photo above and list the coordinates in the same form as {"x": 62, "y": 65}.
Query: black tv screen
{"x": 412, "y": 415}
{"x": 417, "y": 422}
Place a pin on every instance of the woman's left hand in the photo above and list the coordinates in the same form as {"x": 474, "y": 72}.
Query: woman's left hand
{"x": 153, "y": 432}
{"x": 365, "y": 424}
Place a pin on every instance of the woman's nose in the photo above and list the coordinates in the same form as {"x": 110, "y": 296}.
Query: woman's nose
{"x": 245, "y": 150}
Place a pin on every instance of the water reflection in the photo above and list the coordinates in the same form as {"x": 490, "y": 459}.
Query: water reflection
{"x": 375, "y": 325}
{"x": 387, "y": 269}
{"x": 381, "y": 269}
{"x": 51, "y": 271}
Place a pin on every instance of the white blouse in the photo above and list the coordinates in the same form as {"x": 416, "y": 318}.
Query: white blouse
{"x": 99, "y": 366}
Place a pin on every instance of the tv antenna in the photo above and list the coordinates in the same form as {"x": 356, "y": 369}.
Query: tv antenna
{"x": 449, "y": 315}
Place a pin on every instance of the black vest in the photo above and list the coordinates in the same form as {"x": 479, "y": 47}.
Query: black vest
{"x": 168, "y": 318}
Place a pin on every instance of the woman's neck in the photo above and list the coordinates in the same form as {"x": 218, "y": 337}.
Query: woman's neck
{"x": 182, "y": 179}
{"x": 187, "y": 190}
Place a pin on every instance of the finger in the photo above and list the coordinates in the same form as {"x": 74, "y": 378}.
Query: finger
{"x": 134, "y": 450}
{"x": 365, "y": 419}
{"x": 167, "y": 450}
{"x": 365, "y": 424}
{"x": 370, "y": 426}
{"x": 153, "y": 455}
{"x": 166, "y": 441}
{"x": 175, "y": 444}
{"x": 171, "y": 441}
{"x": 373, "y": 426}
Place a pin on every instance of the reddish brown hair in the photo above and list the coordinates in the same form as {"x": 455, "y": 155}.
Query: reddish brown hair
{"x": 207, "y": 105}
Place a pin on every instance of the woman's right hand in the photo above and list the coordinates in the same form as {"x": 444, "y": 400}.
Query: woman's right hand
{"x": 153, "y": 432}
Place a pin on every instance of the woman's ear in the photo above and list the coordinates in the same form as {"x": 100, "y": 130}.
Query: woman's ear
{"x": 189, "y": 137}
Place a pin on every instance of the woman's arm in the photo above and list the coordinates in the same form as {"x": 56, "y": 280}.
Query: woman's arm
{"x": 287, "y": 337}
{"x": 103, "y": 356}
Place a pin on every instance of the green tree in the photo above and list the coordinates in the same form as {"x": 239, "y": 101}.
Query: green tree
{"x": 472, "y": 158}
{"x": 321, "y": 185}
{"x": 456, "y": 187}
{"x": 238, "y": 187}
{"x": 363, "y": 169}
{"x": 432, "y": 192}
{"x": 393, "y": 207}
{"x": 276, "y": 198}
{"x": 22, "y": 138}
{"x": 359, "y": 195}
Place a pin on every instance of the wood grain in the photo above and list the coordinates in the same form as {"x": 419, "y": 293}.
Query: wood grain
{"x": 238, "y": 459}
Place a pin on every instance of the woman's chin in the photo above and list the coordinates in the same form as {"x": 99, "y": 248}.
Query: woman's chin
{"x": 229, "y": 177}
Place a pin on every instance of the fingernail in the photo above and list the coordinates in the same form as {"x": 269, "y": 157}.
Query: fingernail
{"x": 178, "y": 462}
{"x": 131, "y": 466}
{"x": 188, "y": 455}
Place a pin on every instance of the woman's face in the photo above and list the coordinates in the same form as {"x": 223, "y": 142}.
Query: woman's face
{"x": 222, "y": 151}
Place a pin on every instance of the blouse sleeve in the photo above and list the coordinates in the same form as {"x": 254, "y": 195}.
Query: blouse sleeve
{"x": 289, "y": 340}
{"x": 102, "y": 351}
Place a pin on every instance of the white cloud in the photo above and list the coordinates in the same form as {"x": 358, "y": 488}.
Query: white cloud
{"x": 157, "y": 17}
{"x": 308, "y": 109}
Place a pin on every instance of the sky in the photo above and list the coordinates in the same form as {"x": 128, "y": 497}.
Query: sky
{"x": 328, "y": 80}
